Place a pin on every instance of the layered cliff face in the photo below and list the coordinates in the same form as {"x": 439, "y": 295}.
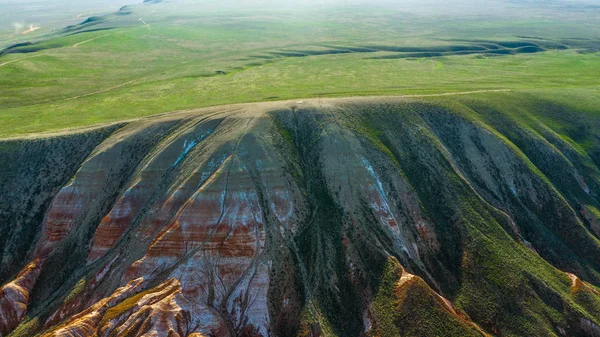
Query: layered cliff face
{"x": 463, "y": 216}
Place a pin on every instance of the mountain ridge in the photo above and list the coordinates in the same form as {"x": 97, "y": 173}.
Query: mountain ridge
{"x": 290, "y": 218}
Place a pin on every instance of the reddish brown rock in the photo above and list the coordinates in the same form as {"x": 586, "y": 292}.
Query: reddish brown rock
{"x": 67, "y": 205}
{"x": 114, "y": 224}
{"x": 14, "y": 297}
{"x": 172, "y": 153}
{"x": 83, "y": 200}
{"x": 213, "y": 247}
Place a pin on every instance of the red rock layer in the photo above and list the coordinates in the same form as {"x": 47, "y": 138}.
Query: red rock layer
{"x": 114, "y": 224}
{"x": 79, "y": 198}
{"x": 213, "y": 246}
{"x": 83, "y": 198}
{"x": 14, "y": 297}
{"x": 67, "y": 205}
{"x": 169, "y": 207}
{"x": 147, "y": 182}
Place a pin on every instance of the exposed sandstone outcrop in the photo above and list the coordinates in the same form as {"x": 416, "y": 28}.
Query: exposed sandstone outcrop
{"x": 14, "y": 297}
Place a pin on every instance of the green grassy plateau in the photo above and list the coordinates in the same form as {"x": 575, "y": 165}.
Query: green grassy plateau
{"x": 147, "y": 59}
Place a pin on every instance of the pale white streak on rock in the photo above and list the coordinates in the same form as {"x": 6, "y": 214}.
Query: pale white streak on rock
{"x": 384, "y": 211}
{"x": 248, "y": 303}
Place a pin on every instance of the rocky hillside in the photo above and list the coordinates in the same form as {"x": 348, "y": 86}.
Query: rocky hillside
{"x": 451, "y": 216}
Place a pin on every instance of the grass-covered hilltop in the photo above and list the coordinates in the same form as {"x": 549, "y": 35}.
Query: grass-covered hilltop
{"x": 313, "y": 168}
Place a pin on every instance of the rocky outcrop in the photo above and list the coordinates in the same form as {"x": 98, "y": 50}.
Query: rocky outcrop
{"x": 404, "y": 300}
{"x": 145, "y": 184}
{"x": 14, "y": 297}
{"x": 130, "y": 312}
{"x": 28, "y": 187}
{"x": 362, "y": 217}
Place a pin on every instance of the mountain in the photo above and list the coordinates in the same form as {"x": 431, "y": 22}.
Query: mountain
{"x": 458, "y": 215}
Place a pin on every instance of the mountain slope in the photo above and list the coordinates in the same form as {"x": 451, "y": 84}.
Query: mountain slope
{"x": 460, "y": 216}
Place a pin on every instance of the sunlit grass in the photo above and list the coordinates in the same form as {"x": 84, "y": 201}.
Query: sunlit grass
{"x": 196, "y": 59}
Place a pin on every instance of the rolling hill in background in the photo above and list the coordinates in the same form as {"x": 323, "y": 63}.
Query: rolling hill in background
{"x": 201, "y": 168}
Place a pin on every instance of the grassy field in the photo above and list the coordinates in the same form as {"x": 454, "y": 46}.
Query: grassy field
{"x": 149, "y": 59}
